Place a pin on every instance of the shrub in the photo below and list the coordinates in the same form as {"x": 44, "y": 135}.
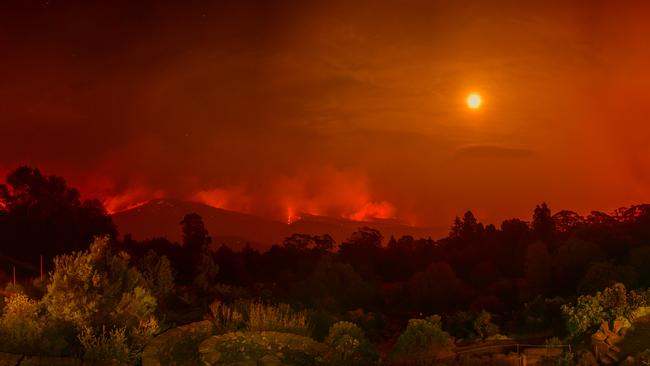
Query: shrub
{"x": 158, "y": 275}
{"x": 320, "y": 322}
{"x": 591, "y": 310}
{"x": 422, "y": 335}
{"x": 347, "y": 345}
{"x": 461, "y": 325}
{"x": 483, "y": 325}
{"x": 106, "y": 346}
{"x": 226, "y": 318}
{"x": 94, "y": 290}
{"x": 21, "y": 328}
{"x": 280, "y": 318}
{"x": 87, "y": 287}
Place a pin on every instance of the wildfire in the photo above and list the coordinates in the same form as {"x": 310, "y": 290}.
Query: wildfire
{"x": 374, "y": 210}
{"x": 130, "y": 199}
{"x": 291, "y": 216}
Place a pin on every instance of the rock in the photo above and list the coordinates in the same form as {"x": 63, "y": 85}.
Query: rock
{"x": 211, "y": 357}
{"x": 598, "y": 336}
{"x": 617, "y": 326}
{"x": 269, "y": 360}
{"x": 587, "y": 359}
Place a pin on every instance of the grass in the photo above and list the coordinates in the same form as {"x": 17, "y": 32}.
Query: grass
{"x": 257, "y": 316}
{"x": 279, "y": 318}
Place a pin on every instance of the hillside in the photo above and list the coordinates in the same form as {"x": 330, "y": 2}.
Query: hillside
{"x": 160, "y": 218}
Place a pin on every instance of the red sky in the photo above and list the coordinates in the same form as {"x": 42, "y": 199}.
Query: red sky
{"x": 343, "y": 108}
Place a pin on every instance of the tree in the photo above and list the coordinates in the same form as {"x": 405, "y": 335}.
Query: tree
{"x": 468, "y": 228}
{"x": 543, "y": 226}
{"x": 196, "y": 242}
{"x": 41, "y": 215}
{"x": 573, "y": 260}
{"x": 367, "y": 237}
{"x": 603, "y": 274}
{"x": 363, "y": 251}
{"x": 538, "y": 268}
{"x": 195, "y": 235}
{"x": 318, "y": 243}
{"x": 436, "y": 288}
{"x": 566, "y": 221}
{"x": 335, "y": 286}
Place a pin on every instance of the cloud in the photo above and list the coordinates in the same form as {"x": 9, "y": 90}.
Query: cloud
{"x": 491, "y": 151}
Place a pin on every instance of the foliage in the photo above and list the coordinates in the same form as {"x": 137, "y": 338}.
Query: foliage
{"x": 320, "y": 322}
{"x": 591, "y": 310}
{"x": 347, "y": 345}
{"x": 603, "y": 274}
{"x": 226, "y": 318}
{"x": 24, "y": 329}
{"x": 41, "y": 215}
{"x": 20, "y": 325}
{"x": 422, "y": 343}
{"x": 335, "y": 286}
{"x": 280, "y": 318}
{"x": 461, "y": 325}
{"x": 158, "y": 275}
{"x": 422, "y": 335}
{"x": 372, "y": 323}
{"x": 95, "y": 290}
{"x": 435, "y": 288}
{"x": 483, "y": 325}
{"x": 107, "y": 346}
{"x": 285, "y": 348}
{"x": 95, "y": 287}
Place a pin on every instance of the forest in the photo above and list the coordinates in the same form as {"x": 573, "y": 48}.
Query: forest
{"x": 575, "y": 286}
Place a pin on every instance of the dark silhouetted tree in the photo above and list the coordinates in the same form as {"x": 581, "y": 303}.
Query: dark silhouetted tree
{"x": 196, "y": 243}
{"x": 41, "y": 215}
{"x": 544, "y": 227}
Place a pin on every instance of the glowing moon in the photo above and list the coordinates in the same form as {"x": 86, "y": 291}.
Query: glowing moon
{"x": 474, "y": 101}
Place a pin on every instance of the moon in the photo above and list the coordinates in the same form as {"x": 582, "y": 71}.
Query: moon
{"x": 474, "y": 101}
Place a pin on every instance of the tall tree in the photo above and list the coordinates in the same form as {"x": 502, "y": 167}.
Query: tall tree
{"x": 196, "y": 243}
{"x": 544, "y": 227}
{"x": 41, "y": 215}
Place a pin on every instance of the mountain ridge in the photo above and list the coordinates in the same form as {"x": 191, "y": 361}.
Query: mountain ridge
{"x": 161, "y": 218}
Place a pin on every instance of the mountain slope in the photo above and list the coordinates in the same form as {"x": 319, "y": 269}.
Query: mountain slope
{"x": 161, "y": 218}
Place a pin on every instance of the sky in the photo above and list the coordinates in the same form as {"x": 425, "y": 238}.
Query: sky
{"x": 344, "y": 108}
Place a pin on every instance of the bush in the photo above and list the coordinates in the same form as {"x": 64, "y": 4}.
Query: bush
{"x": 591, "y": 310}
{"x": 226, "y": 318}
{"x": 461, "y": 325}
{"x": 157, "y": 275}
{"x": 347, "y": 345}
{"x": 279, "y": 318}
{"x": 21, "y": 328}
{"x": 422, "y": 335}
{"x": 106, "y": 346}
{"x": 93, "y": 291}
{"x": 483, "y": 325}
{"x": 320, "y": 322}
